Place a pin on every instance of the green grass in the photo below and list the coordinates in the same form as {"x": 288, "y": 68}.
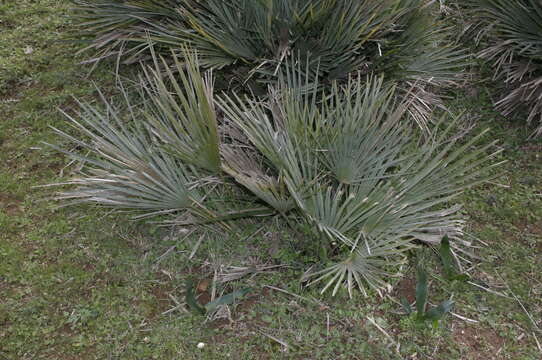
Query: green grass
{"x": 80, "y": 283}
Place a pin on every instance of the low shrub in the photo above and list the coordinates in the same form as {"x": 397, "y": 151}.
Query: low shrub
{"x": 344, "y": 160}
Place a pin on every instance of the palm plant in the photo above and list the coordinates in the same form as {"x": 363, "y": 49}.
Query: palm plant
{"x": 402, "y": 39}
{"x": 511, "y": 36}
{"x": 343, "y": 159}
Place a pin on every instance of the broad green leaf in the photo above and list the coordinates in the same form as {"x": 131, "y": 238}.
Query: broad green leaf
{"x": 448, "y": 262}
{"x": 446, "y": 257}
{"x": 406, "y": 305}
{"x": 227, "y": 299}
{"x": 436, "y": 313}
{"x": 421, "y": 292}
{"x": 191, "y": 299}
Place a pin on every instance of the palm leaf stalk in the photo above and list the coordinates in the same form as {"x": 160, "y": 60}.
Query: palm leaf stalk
{"x": 344, "y": 159}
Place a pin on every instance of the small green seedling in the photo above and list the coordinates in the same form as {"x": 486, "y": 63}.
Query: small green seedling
{"x": 434, "y": 314}
{"x": 212, "y": 305}
{"x": 447, "y": 260}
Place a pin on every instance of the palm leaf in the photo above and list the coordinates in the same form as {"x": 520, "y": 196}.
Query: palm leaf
{"x": 183, "y": 115}
{"x": 125, "y": 168}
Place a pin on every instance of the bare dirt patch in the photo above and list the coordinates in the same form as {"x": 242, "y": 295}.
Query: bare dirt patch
{"x": 480, "y": 343}
{"x": 406, "y": 287}
{"x": 161, "y": 294}
{"x": 10, "y": 204}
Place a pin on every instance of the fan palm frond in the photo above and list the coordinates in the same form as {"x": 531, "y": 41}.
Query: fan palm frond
{"x": 511, "y": 38}
{"x": 124, "y": 168}
{"x": 244, "y": 168}
{"x": 118, "y": 27}
{"x": 183, "y": 115}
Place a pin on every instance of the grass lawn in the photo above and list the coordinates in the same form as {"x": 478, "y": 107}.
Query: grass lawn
{"x": 82, "y": 283}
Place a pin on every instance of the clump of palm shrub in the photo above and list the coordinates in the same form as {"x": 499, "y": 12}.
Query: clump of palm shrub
{"x": 402, "y": 40}
{"x": 342, "y": 159}
{"x": 510, "y": 34}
